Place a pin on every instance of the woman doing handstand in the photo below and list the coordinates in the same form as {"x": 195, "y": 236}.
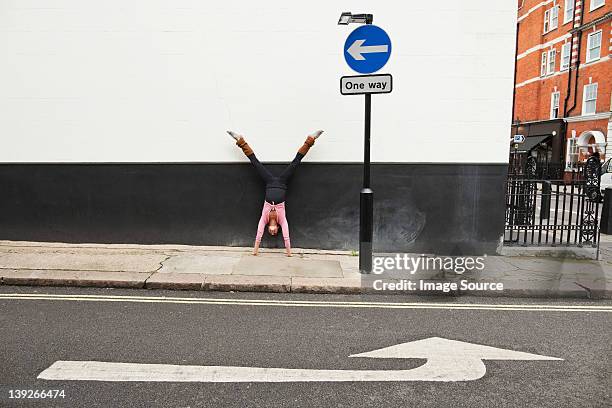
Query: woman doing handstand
{"x": 273, "y": 212}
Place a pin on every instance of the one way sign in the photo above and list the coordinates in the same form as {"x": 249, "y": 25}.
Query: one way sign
{"x": 367, "y": 49}
{"x": 366, "y": 84}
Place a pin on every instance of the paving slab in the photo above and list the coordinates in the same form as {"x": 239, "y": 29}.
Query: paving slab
{"x": 76, "y": 260}
{"x": 595, "y": 269}
{"x": 74, "y": 278}
{"x": 221, "y": 263}
{"x": 526, "y": 276}
{"x": 548, "y": 264}
{"x": 498, "y": 264}
{"x": 283, "y": 266}
{"x": 347, "y": 262}
{"x": 351, "y": 273}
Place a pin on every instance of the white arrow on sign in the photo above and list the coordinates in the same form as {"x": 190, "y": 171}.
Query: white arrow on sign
{"x": 357, "y": 48}
{"x": 447, "y": 360}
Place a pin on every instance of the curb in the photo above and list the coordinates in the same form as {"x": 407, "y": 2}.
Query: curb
{"x": 95, "y": 279}
{"x": 268, "y": 284}
{"x": 229, "y": 283}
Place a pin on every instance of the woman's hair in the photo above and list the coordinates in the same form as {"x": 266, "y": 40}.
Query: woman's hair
{"x": 272, "y": 222}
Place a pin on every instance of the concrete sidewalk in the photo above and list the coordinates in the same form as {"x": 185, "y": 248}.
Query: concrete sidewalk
{"x": 308, "y": 271}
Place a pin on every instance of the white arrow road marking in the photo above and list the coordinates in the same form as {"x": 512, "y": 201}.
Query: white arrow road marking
{"x": 447, "y": 360}
{"x": 357, "y": 48}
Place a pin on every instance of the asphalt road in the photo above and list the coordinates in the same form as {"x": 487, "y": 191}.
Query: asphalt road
{"x": 36, "y": 333}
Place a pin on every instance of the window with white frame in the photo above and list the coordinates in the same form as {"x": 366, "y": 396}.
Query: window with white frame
{"x": 554, "y": 17}
{"x": 589, "y": 99}
{"x": 552, "y": 57}
{"x": 568, "y": 14}
{"x": 565, "y": 56}
{"x": 593, "y": 46}
{"x": 571, "y": 156}
{"x": 595, "y": 4}
{"x": 554, "y": 105}
{"x": 544, "y": 64}
{"x": 551, "y": 19}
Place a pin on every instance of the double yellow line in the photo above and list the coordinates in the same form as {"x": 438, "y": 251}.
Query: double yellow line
{"x": 309, "y": 303}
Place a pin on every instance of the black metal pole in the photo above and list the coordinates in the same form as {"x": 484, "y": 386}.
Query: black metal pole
{"x": 546, "y": 198}
{"x": 366, "y": 207}
{"x": 606, "y": 213}
{"x": 366, "y": 141}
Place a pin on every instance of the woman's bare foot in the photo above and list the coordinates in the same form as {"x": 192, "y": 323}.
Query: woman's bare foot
{"x": 235, "y": 135}
{"x": 316, "y": 134}
{"x": 289, "y": 253}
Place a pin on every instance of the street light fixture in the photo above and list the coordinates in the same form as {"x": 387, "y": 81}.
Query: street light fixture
{"x": 347, "y": 17}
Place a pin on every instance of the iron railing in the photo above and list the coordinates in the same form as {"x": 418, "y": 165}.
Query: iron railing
{"x": 553, "y": 212}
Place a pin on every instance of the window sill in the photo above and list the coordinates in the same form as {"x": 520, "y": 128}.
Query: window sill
{"x": 592, "y": 60}
{"x": 548, "y": 75}
{"x": 592, "y": 116}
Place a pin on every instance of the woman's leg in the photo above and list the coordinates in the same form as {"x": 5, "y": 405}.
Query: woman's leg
{"x": 290, "y": 169}
{"x": 282, "y": 221}
{"x": 248, "y": 152}
{"x": 261, "y": 226}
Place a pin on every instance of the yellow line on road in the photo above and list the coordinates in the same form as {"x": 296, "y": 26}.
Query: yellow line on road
{"x": 308, "y": 303}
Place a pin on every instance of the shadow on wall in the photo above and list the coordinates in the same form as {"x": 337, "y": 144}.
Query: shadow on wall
{"x": 445, "y": 209}
{"x": 340, "y": 229}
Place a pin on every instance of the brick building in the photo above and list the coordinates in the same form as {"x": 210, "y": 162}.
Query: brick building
{"x": 563, "y": 80}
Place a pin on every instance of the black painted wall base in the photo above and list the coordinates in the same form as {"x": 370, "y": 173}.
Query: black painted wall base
{"x": 431, "y": 208}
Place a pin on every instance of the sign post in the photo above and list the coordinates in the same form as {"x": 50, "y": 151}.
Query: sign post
{"x": 366, "y": 50}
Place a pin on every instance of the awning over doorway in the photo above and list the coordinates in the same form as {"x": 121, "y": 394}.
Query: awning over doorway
{"x": 530, "y": 143}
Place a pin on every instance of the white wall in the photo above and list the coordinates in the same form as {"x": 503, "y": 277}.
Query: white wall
{"x": 161, "y": 80}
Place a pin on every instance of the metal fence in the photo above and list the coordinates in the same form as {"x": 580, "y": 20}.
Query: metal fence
{"x": 553, "y": 212}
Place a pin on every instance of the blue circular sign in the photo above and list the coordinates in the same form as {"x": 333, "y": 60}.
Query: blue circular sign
{"x": 367, "y": 49}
